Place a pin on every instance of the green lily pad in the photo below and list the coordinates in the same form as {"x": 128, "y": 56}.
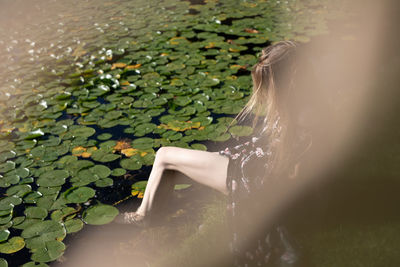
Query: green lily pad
{"x": 8, "y": 180}
{"x": 82, "y": 131}
{"x": 104, "y": 136}
{"x": 3, "y": 263}
{"x": 7, "y": 166}
{"x": 9, "y": 202}
{"x": 52, "y": 178}
{"x": 61, "y": 214}
{"x": 22, "y": 222}
{"x": 222, "y": 137}
{"x": 143, "y": 143}
{"x": 33, "y": 134}
{"x": 131, "y": 164}
{"x": 104, "y": 156}
{"x": 36, "y": 235}
{"x": 105, "y": 182}
{"x": 32, "y": 197}
{"x": 100, "y": 214}
{"x": 118, "y": 172}
{"x": 35, "y": 264}
{"x": 19, "y": 190}
{"x": 35, "y": 213}
{"x": 139, "y": 188}
{"x": 79, "y": 195}
{"x": 51, "y": 251}
{"x": 238, "y": 130}
{"x": 199, "y": 147}
{"x": 4, "y": 235}
{"x": 73, "y": 226}
{"x": 13, "y": 245}
{"x": 101, "y": 171}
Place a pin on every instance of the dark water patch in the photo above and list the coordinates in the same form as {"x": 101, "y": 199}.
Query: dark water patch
{"x": 230, "y": 20}
{"x": 196, "y": 2}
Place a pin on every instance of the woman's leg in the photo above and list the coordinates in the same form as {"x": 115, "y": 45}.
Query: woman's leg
{"x": 207, "y": 168}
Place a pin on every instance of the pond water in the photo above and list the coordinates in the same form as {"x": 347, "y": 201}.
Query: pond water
{"x": 89, "y": 90}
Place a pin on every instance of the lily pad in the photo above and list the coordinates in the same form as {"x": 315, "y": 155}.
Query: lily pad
{"x": 104, "y": 136}
{"x": 19, "y": 190}
{"x": 131, "y": 164}
{"x": 73, "y": 226}
{"x": 199, "y": 147}
{"x": 52, "y": 178}
{"x": 82, "y": 131}
{"x": 61, "y": 214}
{"x": 7, "y": 166}
{"x": 35, "y": 264}
{"x": 35, "y": 213}
{"x": 51, "y": 251}
{"x": 41, "y": 232}
{"x": 138, "y": 188}
{"x": 79, "y": 195}
{"x": 118, "y": 172}
{"x": 239, "y": 130}
{"x": 106, "y": 182}
{"x": 13, "y": 245}
{"x": 100, "y": 214}
{"x": 4, "y": 235}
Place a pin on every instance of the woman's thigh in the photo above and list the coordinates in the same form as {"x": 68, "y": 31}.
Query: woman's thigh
{"x": 207, "y": 168}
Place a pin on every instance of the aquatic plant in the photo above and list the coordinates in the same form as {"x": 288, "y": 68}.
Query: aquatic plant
{"x": 102, "y": 107}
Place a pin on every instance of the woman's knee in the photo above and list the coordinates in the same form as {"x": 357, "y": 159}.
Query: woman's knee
{"x": 162, "y": 156}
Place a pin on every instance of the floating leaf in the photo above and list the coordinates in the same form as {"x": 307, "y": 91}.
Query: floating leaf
{"x": 104, "y": 136}
{"x": 61, "y": 214}
{"x": 133, "y": 67}
{"x": 33, "y": 134}
{"x": 238, "y": 130}
{"x": 199, "y": 147}
{"x": 13, "y": 245}
{"x": 7, "y": 166}
{"x": 35, "y": 213}
{"x": 103, "y": 156}
{"x": 118, "y": 65}
{"x": 38, "y": 234}
{"x": 138, "y": 189}
{"x": 51, "y": 251}
{"x": 100, "y": 214}
{"x": 181, "y": 186}
{"x": 4, "y": 235}
{"x": 19, "y": 190}
{"x": 73, "y": 225}
{"x": 131, "y": 164}
{"x": 118, "y": 172}
{"x": 52, "y": 178}
{"x": 105, "y": 182}
{"x": 79, "y": 195}
{"x": 35, "y": 264}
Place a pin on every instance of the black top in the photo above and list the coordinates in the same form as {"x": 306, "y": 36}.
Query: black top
{"x": 249, "y": 171}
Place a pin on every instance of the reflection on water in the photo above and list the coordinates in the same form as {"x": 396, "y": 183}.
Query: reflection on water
{"x": 41, "y": 41}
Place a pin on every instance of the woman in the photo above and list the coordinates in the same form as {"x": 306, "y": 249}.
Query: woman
{"x": 246, "y": 172}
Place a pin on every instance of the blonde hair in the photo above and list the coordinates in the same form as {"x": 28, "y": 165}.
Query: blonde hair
{"x": 272, "y": 84}
{"x": 263, "y": 99}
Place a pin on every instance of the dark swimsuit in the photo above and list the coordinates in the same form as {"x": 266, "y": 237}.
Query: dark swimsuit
{"x": 248, "y": 172}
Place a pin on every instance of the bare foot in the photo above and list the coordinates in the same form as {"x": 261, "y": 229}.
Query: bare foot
{"x": 130, "y": 218}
